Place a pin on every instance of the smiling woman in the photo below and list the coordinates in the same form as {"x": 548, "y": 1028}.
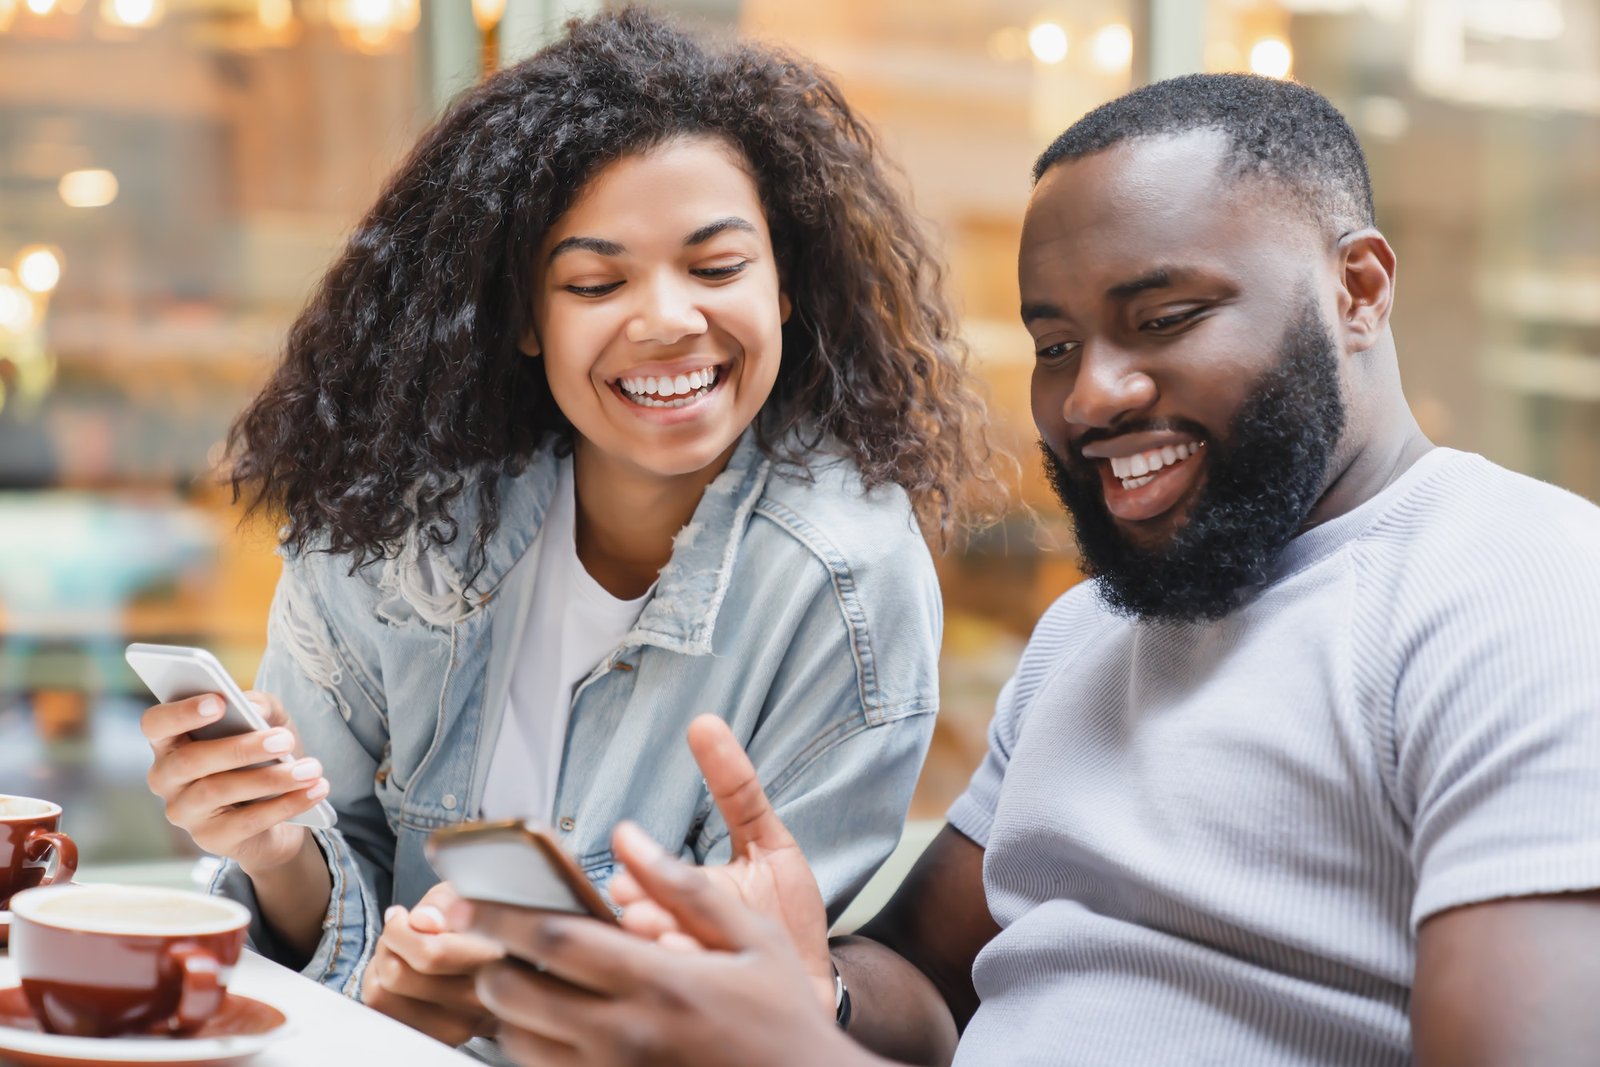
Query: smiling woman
{"x": 622, "y": 405}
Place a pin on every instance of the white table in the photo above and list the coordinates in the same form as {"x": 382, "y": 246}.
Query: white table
{"x": 324, "y": 1027}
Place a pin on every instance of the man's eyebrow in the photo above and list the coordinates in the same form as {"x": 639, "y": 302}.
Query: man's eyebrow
{"x": 711, "y": 229}
{"x": 598, "y": 245}
{"x": 1030, "y": 312}
{"x": 1160, "y": 278}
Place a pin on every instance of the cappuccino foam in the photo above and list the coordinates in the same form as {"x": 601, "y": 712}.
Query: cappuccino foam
{"x": 135, "y": 910}
{"x": 24, "y": 807}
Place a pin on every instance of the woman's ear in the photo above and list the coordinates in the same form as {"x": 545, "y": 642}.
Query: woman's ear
{"x": 1366, "y": 274}
{"x": 529, "y": 344}
{"x": 785, "y": 308}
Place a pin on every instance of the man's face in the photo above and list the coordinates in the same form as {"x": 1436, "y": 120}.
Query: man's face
{"x": 1186, "y": 387}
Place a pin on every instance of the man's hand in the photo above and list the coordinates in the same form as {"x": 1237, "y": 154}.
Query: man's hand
{"x": 767, "y": 872}
{"x": 581, "y": 991}
{"x": 421, "y": 973}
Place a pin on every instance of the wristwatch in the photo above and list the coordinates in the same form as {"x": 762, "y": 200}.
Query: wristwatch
{"x": 841, "y": 999}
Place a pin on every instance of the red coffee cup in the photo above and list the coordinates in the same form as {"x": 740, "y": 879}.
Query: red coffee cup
{"x": 103, "y": 960}
{"x": 29, "y": 836}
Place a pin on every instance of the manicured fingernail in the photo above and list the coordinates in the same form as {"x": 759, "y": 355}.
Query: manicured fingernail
{"x": 318, "y": 791}
{"x": 393, "y": 912}
{"x": 258, "y": 702}
{"x": 278, "y": 741}
{"x": 430, "y": 916}
{"x": 639, "y": 842}
{"x": 210, "y": 707}
{"x": 306, "y": 770}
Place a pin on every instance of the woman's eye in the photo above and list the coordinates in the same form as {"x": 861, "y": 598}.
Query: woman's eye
{"x": 592, "y": 290}
{"x": 726, "y": 271}
{"x": 1059, "y": 351}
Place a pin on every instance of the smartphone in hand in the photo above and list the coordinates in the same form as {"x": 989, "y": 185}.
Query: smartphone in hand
{"x": 514, "y": 862}
{"x": 177, "y": 672}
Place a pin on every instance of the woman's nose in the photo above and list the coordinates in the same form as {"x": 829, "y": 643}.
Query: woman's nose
{"x": 666, "y": 314}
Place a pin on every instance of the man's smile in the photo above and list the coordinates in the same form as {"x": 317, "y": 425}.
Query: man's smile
{"x": 1145, "y": 475}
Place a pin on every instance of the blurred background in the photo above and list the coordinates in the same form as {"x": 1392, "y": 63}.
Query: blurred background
{"x": 175, "y": 175}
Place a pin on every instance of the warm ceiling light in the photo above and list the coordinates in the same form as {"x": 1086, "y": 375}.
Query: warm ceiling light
{"x": 16, "y": 307}
{"x": 41, "y": 7}
{"x": 488, "y": 13}
{"x": 1271, "y": 57}
{"x": 1048, "y": 42}
{"x": 137, "y": 13}
{"x": 274, "y": 15}
{"x": 39, "y": 269}
{"x": 1112, "y": 48}
{"x": 88, "y": 188}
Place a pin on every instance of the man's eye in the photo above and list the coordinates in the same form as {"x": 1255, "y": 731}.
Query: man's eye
{"x": 1059, "y": 351}
{"x": 592, "y": 290}
{"x": 1168, "y": 322}
{"x": 720, "y": 272}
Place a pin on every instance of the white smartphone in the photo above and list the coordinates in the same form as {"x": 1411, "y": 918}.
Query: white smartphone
{"x": 513, "y": 862}
{"x": 177, "y": 672}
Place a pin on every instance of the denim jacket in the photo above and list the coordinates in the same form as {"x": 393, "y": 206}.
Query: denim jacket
{"x": 798, "y": 607}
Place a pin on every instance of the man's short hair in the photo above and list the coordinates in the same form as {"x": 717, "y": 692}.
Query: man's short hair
{"x": 1276, "y": 130}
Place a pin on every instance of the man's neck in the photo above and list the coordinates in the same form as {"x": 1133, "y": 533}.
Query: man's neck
{"x": 1376, "y": 464}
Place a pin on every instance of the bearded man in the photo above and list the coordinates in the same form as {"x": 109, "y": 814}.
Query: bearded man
{"x": 1308, "y": 773}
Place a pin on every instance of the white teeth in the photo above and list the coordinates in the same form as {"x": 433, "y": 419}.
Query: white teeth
{"x": 669, "y": 392}
{"x": 1137, "y": 470}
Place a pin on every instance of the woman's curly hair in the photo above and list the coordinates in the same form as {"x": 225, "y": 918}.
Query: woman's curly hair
{"x": 402, "y": 386}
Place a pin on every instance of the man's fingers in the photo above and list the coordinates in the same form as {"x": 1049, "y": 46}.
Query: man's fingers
{"x": 731, "y": 778}
{"x": 581, "y": 951}
{"x": 528, "y": 1000}
{"x": 439, "y": 1023}
{"x": 535, "y": 1050}
{"x": 704, "y": 912}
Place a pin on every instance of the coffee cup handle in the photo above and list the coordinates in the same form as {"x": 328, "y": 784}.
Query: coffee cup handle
{"x": 202, "y": 987}
{"x": 39, "y": 843}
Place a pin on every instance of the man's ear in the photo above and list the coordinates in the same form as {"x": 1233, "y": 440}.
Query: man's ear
{"x": 529, "y": 344}
{"x": 1366, "y": 294}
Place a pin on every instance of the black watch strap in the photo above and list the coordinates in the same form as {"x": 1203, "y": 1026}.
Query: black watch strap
{"x": 841, "y": 1000}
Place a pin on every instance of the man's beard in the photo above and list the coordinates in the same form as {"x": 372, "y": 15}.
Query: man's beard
{"x": 1262, "y": 481}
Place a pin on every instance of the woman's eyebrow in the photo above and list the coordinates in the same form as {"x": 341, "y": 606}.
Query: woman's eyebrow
{"x": 598, "y": 245}
{"x": 711, "y": 229}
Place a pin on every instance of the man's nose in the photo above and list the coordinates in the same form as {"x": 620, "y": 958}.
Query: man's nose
{"x": 666, "y": 313}
{"x": 1108, "y": 388}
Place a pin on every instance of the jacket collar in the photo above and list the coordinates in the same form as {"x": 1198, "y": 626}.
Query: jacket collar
{"x": 431, "y": 581}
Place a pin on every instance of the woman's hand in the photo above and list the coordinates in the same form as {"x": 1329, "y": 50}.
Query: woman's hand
{"x": 767, "y": 871}
{"x": 422, "y": 972}
{"x": 213, "y": 792}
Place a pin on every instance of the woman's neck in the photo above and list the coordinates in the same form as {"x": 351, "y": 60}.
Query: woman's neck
{"x": 627, "y": 517}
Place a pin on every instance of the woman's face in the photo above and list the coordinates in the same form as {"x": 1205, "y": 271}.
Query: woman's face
{"x": 657, "y": 309}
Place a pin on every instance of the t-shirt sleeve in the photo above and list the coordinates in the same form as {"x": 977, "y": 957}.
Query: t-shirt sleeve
{"x": 973, "y": 811}
{"x": 1497, "y": 725}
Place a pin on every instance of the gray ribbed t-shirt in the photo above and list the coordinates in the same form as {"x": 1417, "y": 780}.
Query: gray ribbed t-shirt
{"x": 1214, "y": 843}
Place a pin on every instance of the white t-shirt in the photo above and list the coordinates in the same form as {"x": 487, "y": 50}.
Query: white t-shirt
{"x": 1214, "y": 843}
{"x": 572, "y": 624}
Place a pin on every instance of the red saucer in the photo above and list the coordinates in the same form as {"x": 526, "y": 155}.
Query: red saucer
{"x": 239, "y": 1028}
